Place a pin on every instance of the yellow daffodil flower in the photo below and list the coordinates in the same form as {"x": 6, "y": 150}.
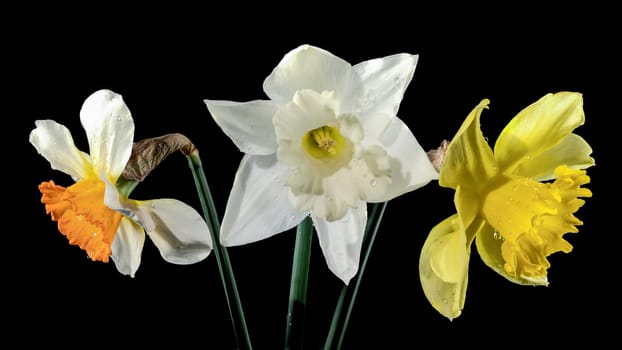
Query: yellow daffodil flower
{"x": 516, "y": 202}
{"x": 325, "y": 143}
{"x": 92, "y": 213}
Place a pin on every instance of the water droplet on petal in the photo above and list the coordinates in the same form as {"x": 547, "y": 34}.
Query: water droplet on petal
{"x": 373, "y": 182}
{"x": 497, "y": 235}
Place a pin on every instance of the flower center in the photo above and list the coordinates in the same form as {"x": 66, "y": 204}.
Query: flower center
{"x": 323, "y": 143}
{"x": 82, "y": 215}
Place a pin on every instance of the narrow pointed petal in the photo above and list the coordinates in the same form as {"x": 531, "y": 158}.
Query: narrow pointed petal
{"x": 467, "y": 205}
{"x": 410, "y": 166}
{"x": 443, "y": 267}
{"x": 384, "y": 81}
{"x": 469, "y": 160}
{"x": 258, "y": 206}
{"x": 248, "y": 124}
{"x": 539, "y": 127}
{"x": 573, "y": 151}
{"x": 110, "y": 131}
{"x": 341, "y": 241}
{"x": 55, "y": 143}
{"x": 180, "y": 233}
{"x": 127, "y": 247}
{"x": 308, "y": 67}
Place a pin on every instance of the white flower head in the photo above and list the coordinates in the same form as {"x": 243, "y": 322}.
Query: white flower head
{"x": 92, "y": 213}
{"x": 325, "y": 143}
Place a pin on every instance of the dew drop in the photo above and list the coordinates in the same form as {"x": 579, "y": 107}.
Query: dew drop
{"x": 515, "y": 188}
{"x": 497, "y": 235}
{"x": 373, "y": 182}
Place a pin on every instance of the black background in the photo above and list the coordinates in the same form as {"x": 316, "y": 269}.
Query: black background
{"x": 165, "y": 62}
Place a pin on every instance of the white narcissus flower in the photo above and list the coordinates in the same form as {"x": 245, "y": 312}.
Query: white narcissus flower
{"x": 325, "y": 143}
{"x": 92, "y": 213}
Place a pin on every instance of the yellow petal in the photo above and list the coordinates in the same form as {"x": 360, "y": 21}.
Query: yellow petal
{"x": 572, "y": 151}
{"x": 539, "y": 127}
{"x": 467, "y": 204}
{"x": 443, "y": 267}
{"x": 469, "y": 160}
{"x": 488, "y": 243}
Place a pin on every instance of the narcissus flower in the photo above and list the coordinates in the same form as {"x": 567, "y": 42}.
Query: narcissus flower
{"x": 93, "y": 213}
{"x": 516, "y": 202}
{"x": 325, "y": 143}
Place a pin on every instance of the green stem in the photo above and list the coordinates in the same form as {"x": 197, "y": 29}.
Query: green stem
{"x": 349, "y": 293}
{"x": 336, "y": 318}
{"x": 298, "y": 287}
{"x": 222, "y": 257}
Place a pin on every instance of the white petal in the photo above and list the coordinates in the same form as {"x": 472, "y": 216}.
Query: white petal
{"x": 180, "y": 233}
{"x": 341, "y": 241}
{"x": 308, "y": 67}
{"x": 372, "y": 173}
{"x": 127, "y": 247}
{"x": 125, "y": 206}
{"x": 54, "y": 142}
{"x": 248, "y": 124}
{"x": 258, "y": 206}
{"x": 110, "y": 131}
{"x": 410, "y": 166}
{"x": 328, "y": 197}
{"x": 384, "y": 82}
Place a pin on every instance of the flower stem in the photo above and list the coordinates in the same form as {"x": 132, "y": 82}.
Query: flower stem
{"x": 298, "y": 286}
{"x": 349, "y": 292}
{"x": 222, "y": 257}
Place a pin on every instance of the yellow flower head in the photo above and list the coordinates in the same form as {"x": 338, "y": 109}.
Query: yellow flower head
{"x": 516, "y": 202}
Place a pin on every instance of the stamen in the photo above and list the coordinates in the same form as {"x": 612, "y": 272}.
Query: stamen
{"x": 323, "y": 142}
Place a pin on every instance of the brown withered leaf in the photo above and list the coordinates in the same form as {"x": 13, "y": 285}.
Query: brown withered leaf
{"x": 147, "y": 154}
